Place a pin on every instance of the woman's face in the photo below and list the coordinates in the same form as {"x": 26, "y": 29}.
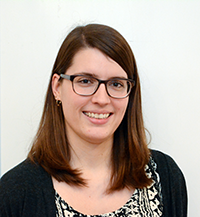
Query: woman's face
{"x": 91, "y": 118}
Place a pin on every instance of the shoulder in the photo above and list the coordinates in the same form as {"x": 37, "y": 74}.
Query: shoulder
{"x": 26, "y": 187}
{"x": 161, "y": 157}
{"x": 165, "y": 163}
{"x": 167, "y": 168}
{"x": 25, "y": 174}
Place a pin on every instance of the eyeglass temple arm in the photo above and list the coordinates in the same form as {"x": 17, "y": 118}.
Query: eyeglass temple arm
{"x": 68, "y": 77}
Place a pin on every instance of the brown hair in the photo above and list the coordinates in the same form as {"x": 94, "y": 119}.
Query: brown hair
{"x": 130, "y": 152}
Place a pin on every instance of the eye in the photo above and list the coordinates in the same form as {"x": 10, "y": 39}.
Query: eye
{"x": 84, "y": 80}
{"x": 117, "y": 84}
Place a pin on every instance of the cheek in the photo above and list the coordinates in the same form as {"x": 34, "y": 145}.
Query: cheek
{"x": 72, "y": 105}
{"x": 122, "y": 106}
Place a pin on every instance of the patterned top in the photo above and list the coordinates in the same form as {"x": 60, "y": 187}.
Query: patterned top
{"x": 146, "y": 202}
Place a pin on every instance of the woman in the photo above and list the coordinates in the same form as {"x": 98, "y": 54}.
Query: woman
{"x": 90, "y": 154}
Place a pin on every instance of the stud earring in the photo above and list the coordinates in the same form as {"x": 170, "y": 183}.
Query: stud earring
{"x": 58, "y": 102}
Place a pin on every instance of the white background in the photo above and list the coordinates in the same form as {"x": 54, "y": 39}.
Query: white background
{"x": 165, "y": 38}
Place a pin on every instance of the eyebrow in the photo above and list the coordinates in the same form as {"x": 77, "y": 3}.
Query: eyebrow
{"x": 96, "y": 76}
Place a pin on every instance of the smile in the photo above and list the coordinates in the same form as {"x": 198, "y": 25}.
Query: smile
{"x": 97, "y": 116}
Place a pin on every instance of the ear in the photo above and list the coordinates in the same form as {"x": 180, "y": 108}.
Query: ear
{"x": 55, "y": 84}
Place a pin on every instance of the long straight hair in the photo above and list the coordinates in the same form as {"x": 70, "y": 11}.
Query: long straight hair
{"x": 130, "y": 152}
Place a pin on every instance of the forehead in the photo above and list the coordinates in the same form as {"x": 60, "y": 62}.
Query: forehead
{"x": 92, "y": 60}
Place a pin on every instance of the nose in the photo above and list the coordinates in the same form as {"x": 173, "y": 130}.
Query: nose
{"x": 101, "y": 97}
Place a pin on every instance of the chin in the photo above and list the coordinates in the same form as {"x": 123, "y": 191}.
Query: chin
{"x": 99, "y": 139}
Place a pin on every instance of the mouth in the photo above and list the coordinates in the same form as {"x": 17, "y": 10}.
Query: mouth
{"x": 96, "y": 115}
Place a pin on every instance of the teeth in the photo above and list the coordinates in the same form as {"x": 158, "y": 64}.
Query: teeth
{"x": 95, "y": 115}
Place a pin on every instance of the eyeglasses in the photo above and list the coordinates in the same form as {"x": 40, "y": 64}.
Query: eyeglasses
{"x": 85, "y": 85}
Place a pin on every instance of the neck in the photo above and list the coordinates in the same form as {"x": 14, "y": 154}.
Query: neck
{"x": 91, "y": 157}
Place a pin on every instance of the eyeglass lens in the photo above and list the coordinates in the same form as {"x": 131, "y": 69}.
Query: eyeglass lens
{"x": 86, "y": 85}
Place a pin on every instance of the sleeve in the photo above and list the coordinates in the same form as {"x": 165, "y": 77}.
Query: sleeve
{"x": 173, "y": 185}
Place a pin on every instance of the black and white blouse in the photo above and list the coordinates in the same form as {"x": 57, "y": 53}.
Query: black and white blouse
{"x": 146, "y": 202}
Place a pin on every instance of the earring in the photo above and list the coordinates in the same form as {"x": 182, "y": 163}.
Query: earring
{"x": 58, "y": 102}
